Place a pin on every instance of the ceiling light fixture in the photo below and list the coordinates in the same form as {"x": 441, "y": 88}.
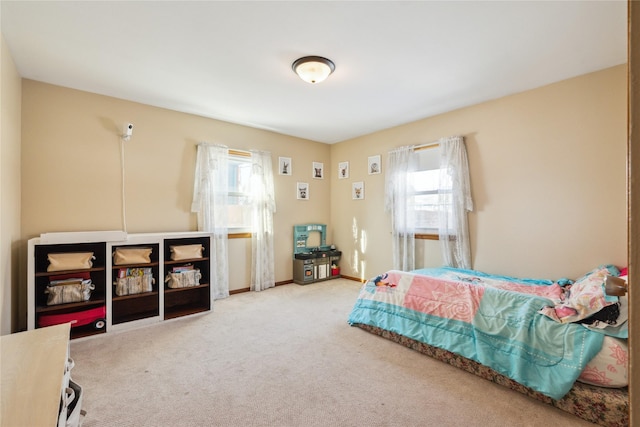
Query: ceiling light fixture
{"x": 313, "y": 69}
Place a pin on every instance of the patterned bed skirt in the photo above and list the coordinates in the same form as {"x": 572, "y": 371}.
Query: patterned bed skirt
{"x": 604, "y": 406}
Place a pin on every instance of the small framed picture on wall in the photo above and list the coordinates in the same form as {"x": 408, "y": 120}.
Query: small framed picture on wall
{"x": 343, "y": 170}
{"x": 374, "y": 165}
{"x": 284, "y": 166}
{"x": 302, "y": 191}
{"x": 357, "y": 190}
{"x": 318, "y": 170}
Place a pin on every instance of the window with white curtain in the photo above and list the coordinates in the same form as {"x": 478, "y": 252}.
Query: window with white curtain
{"x": 239, "y": 208}
{"x": 428, "y": 192}
{"x": 428, "y": 188}
{"x": 233, "y": 190}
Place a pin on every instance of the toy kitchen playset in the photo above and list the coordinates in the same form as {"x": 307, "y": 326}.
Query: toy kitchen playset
{"x": 313, "y": 263}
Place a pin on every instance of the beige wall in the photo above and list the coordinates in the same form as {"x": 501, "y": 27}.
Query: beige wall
{"x": 548, "y": 181}
{"x": 71, "y": 170}
{"x": 10, "y": 94}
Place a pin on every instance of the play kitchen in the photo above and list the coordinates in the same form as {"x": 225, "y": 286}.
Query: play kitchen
{"x": 313, "y": 259}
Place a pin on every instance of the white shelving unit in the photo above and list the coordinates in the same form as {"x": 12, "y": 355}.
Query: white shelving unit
{"x": 119, "y": 312}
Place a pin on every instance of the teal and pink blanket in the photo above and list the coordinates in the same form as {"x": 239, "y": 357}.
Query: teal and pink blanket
{"x": 493, "y": 320}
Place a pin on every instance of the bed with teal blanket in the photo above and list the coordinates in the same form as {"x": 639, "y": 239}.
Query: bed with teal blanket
{"x": 535, "y": 335}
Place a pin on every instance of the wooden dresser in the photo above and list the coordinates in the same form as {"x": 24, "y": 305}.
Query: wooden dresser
{"x": 34, "y": 376}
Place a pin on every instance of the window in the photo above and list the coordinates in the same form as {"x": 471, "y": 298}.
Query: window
{"x": 239, "y": 208}
{"x": 426, "y": 185}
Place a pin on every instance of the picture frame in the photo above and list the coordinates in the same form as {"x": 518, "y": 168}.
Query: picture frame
{"x": 374, "y": 165}
{"x": 284, "y": 166}
{"x": 357, "y": 190}
{"x": 343, "y": 170}
{"x": 317, "y": 170}
{"x": 302, "y": 191}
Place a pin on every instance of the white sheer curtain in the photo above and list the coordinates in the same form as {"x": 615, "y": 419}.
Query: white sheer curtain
{"x": 454, "y": 201}
{"x": 399, "y": 202}
{"x": 263, "y": 205}
{"x": 211, "y": 187}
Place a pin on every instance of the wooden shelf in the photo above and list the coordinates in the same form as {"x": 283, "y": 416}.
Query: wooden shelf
{"x": 71, "y": 305}
{"x": 144, "y": 305}
{"x": 117, "y": 298}
{"x": 180, "y": 302}
{"x": 187, "y": 288}
{"x": 86, "y": 331}
{"x": 158, "y": 304}
{"x": 186, "y": 261}
{"x": 64, "y": 272}
{"x": 184, "y": 311}
{"x": 135, "y": 316}
{"x": 145, "y": 265}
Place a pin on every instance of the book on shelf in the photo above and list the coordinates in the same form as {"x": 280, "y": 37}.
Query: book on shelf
{"x": 180, "y": 269}
{"x": 133, "y": 272}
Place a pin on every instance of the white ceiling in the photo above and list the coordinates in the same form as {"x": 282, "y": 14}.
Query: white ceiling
{"x": 396, "y": 61}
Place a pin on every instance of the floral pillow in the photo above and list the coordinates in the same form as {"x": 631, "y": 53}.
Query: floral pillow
{"x": 584, "y": 298}
{"x": 609, "y": 367}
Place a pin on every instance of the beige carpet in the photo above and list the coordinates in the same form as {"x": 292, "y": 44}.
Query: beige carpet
{"x": 285, "y": 357}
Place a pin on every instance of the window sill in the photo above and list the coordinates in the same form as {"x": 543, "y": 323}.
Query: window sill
{"x": 239, "y": 235}
{"x": 427, "y": 236}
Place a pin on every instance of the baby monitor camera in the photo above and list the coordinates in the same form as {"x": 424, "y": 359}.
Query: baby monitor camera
{"x": 128, "y": 129}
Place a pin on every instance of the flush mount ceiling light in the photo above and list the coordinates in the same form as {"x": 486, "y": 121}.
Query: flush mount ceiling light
{"x": 313, "y": 69}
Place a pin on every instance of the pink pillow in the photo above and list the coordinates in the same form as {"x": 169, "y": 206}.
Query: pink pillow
{"x": 609, "y": 367}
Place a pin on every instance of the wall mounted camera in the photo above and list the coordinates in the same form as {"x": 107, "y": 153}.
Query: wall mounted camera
{"x": 128, "y": 129}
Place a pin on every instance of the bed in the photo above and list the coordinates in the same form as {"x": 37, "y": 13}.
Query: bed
{"x": 563, "y": 342}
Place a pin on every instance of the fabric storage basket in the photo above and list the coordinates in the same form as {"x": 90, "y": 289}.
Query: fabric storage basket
{"x": 70, "y": 261}
{"x": 123, "y": 256}
{"x": 134, "y": 281}
{"x": 66, "y": 291}
{"x": 183, "y": 279}
{"x": 186, "y": 252}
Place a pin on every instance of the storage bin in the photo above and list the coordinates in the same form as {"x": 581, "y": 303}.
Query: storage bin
{"x": 180, "y": 252}
{"x": 122, "y": 256}
{"x": 70, "y": 261}
{"x": 79, "y": 318}
{"x": 134, "y": 281}
{"x": 70, "y": 290}
{"x": 183, "y": 279}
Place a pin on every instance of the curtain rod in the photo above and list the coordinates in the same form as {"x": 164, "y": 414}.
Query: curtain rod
{"x": 232, "y": 151}
{"x": 426, "y": 146}
{"x": 237, "y": 152}
{"x": 420, "y": 146}
{"x": 204, "y": 144}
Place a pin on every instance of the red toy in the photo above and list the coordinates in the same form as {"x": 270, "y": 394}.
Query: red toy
{"x": 95, "y": 316}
